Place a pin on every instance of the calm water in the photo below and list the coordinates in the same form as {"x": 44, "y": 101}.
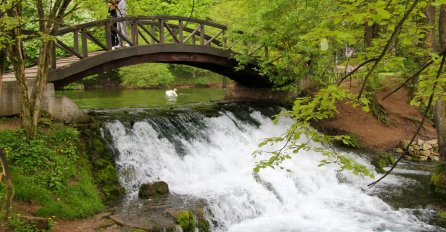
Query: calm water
{"x": 139, "y": 98}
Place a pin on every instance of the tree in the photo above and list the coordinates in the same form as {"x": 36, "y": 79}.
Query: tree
{"x": 386, "y": 34}
{"x": 50, "y": 16}
{"x": 440, "y": 106}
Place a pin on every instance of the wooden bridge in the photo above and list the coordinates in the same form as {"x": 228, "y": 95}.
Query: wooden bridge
{"x": 86, "y": 49}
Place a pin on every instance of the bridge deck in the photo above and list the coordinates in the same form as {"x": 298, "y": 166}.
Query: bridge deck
{"x": 31, "y": 72}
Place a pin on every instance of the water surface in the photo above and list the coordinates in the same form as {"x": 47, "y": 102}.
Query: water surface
{"x": 139, "y": 98}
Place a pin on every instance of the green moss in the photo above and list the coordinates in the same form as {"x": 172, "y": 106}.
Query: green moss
{"x": 50, "y": 171}
{"x": 442, "y": 215}
{"x": 106, "y": 176}
{"x": 383, "y": 160}
{"x": 186, "y": 220}
{"x": 438, "y": 179}
{"x": 203, "y": 224}
{"x": 98, "y": 146}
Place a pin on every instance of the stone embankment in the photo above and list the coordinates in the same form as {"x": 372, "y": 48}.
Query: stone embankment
{"x": 420, "y": 150}
{"x": 59, "y": 108}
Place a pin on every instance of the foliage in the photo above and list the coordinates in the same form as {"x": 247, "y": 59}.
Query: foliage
{"x": 50, "y": 171}
{"x": 146, "y": 75}
{"x": 186, "y": 220}
{"x": 383, "y": 160}
{"x": 298, "y": 137}
{"x": 18, "y": 225}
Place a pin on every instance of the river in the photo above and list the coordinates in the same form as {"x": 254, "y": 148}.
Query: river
{"x": 204, "y": 152}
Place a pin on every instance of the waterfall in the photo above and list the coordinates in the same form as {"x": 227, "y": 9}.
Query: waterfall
{"x": 209, "y": 157}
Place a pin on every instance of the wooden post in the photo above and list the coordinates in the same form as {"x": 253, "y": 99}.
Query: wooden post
{"x": 76, "y": 40}
{"x": 135, "y": 33}
{"x": 53, "y": 55}
{"x": 161, "y": 31}
{"x": 153, "y": 30}
{"x": 202, "y": 35}
{"x": 84, "y": 44}
{"x": 225, "y": 40}
{"x": 180, "y": 32}
{"x": 108, "y": 38}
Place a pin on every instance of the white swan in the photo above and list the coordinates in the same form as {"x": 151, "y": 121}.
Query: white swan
{"x": 171, "y": 93}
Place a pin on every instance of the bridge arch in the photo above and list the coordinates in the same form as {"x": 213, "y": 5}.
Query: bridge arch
{"x": 157, "y": 39}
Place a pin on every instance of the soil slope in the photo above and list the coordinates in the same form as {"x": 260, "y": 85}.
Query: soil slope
{"x": 373, "y": 134}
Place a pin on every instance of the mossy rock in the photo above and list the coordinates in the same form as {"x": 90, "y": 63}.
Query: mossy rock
{"x": 98, "y": 146}
{"x": 438, "y": 180}
{"x": 186, "y": 220}
{"x": 202, "y": 224}
{"x": 45, "y": 122}
{"x": 383, "y": 160}
{"x": 107, "y": 174}
{"x": 155, "y": 189}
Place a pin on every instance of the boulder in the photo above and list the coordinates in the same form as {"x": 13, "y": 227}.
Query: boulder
{"x": 399, "y": 151}
{"x": 403, "y": 144}
{"x": 434, "y": 158}
{"x": 155, "y": 189}
{"x": 425, "y": 153}
{"x": 426, "y": 146}
{"x": 433, "y": 142}
{"x": 420, "y": 142}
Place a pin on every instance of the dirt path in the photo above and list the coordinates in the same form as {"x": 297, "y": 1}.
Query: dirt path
{"x": 373, "y": 134}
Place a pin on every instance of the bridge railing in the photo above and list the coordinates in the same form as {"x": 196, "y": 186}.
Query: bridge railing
{"x": 74, "y": 40}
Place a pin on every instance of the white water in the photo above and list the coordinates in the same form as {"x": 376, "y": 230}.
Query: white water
{"x": 216, "y": 165}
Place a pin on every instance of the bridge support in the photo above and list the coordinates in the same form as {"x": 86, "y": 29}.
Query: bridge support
{"x": 238, "y": 92}
{"x": 58, "y": 107}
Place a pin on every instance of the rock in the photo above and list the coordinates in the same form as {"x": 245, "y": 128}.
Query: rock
{"x": 423, "y": 158}
{"x": 420, "y": 142}
{"x": 155, "y": 189}
{"x": 399, "y": 151}
{"x": 416, "y": 147}
{"x": 433, "y": 142}
{"x": 425, "y": 153}
{"x": 403, "y": 144}
{"x": 426, "y": 146}
{"x": 435, "y": 154}
{"x": 38, "y": 222}
{"x": 434, "y": 158}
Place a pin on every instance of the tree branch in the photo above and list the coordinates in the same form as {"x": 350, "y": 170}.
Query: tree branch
{"x": 431, "y": 98}
{"x": 388, "y": 45}
{"x": 356, "y": 69}
{"x": 417, "y": 74}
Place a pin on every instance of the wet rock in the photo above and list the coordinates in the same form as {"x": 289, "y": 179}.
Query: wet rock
{"x": 155, "y": 189}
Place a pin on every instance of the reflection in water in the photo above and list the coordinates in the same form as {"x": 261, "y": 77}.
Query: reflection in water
{"x": 139, "y": 98}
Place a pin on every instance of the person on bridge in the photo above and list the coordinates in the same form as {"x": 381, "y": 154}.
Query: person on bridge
{"x": 122, "y": 25}
{"x": 112, "y": 10}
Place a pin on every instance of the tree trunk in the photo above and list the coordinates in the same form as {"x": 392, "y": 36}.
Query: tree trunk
{"x": 41, "y": 79}
{"x": 440, "y": 106}
{"x": 429, "y": 34}
{"x": 370, "y": 32}
{"x": 2, "y": 68}
{"x": 440, "y": 125}
{"x": 6, "y": 178}
{"x": 17, "y": 57}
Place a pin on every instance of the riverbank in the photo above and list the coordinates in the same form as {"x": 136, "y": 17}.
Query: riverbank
{"x": 362, "y": 124}
{"x": 373, "y": 134}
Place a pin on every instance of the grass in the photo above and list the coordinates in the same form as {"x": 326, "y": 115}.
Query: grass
{"x": 51, "y": 172}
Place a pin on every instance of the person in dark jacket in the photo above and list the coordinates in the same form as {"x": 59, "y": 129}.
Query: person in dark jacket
{"x": 112, "y": 10}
